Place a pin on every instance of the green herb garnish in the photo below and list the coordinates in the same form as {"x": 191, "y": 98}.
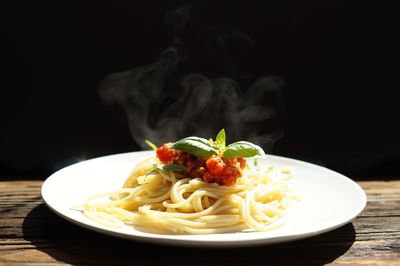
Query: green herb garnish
{"x": 165, "y": 168}
{"x": 255, "y": 162}
{"x": 151, "y": 144}
{"x": 242, "y": 149}
{"x": 220, "y": 140}
{"x": 170, "y": 167}
{"x": 201, "y": 147}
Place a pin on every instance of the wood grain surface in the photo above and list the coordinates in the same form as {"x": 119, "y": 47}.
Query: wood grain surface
{"x": 30, "y": 234}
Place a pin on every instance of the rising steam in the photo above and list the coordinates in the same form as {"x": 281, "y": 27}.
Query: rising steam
{"x": 162, "y": 104}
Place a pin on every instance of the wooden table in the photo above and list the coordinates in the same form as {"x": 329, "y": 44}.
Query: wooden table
{"x": 31, "y": 234}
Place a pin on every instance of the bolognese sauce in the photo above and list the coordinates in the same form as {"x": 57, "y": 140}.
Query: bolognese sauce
{"x": 213, "y": 169}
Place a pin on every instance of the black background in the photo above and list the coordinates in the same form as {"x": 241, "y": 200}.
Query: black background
{"x": 339, "y": 63}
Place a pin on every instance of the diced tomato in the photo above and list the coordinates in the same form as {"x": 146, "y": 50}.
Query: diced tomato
{"x": 224, "y": 171}
{"x": 242, "y": 162}
{"x": 165, "y": 154}
{"x": 215, "y": 165}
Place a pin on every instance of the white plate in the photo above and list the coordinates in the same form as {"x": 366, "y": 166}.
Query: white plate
{"x": 328, "y": 201}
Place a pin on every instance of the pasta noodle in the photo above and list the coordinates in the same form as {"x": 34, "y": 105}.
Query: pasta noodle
{"x": 171, "y": 203}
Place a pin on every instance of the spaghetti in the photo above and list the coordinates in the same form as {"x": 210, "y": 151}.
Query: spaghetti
{"x": 170, "y": 202}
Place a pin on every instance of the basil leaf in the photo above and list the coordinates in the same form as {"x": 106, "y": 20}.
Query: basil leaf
{"x": 170, "y": 167}
{"x": 194, "y": 145}
{"x": 243, "y": 149}
{"x": 220, "y": 140}
{"x": 151, "y": 144}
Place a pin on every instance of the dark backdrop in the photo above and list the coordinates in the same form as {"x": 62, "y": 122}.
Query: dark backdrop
{"x": 339, "y": 64}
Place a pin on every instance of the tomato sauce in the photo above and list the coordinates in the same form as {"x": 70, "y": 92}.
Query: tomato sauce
{"x": 213, "y": 169}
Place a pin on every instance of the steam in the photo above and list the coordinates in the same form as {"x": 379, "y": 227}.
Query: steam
{"x": 163, "y": 104}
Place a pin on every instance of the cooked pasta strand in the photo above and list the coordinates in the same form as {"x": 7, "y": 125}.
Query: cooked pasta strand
{"x": 164, "y": 202}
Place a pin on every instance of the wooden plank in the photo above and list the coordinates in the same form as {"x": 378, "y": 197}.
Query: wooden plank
{"x": 31, "y": 233}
